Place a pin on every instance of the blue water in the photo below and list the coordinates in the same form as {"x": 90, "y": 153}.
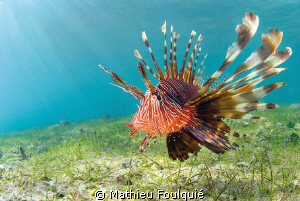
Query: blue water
{"x": 50, "y": 51}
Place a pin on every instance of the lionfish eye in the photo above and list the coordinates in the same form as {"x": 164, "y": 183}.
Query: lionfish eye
{"x": 158, "y": 97}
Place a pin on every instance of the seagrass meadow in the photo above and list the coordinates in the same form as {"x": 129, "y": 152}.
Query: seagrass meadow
{"x": 72, "y": 162}
{"x": 211, "y": 109}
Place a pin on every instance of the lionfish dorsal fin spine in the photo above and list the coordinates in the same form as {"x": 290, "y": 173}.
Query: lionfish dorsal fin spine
{"x": 192, "y": 79}
{"x": 163, "y": 29}
{"x": 245, "y": 33}
{"x": 171, "y": 53}
{"x": 145, "y": 39}
{"x": 135, "y": 90}
{"x": 176, "y": 36}
{"x": 133, "y": 94}
{"x": 104, "y": 69}
{"x": 187, "y": 72}
{"x": 200, "y": 71}
{"x": 138, "y": 55}
{"x": 185, "y": 56}
{"x": 202, "y": 79}
{"x": 150, "y": 86}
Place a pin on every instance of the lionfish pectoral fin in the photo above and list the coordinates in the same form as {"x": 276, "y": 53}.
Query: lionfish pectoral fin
{"x": 236, "y": 104}
{"x": 245, "y": 33}
{"x": 180, "y": 144}
{"x": 276, "y": 58}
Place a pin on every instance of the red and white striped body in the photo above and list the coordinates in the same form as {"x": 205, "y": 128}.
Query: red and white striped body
{"x": 165, "y": 110}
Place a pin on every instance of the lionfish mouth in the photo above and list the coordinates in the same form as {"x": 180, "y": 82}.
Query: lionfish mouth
{"x": 189, "y": 109}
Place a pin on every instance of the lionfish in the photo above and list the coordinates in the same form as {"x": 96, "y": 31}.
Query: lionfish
{"x": 189, "y": 109}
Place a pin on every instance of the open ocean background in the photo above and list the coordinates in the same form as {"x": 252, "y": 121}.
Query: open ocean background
{"x": 50, "y": 51}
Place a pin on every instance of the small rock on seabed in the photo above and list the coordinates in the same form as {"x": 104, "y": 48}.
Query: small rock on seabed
{"x": 297, "y": 126}
{"x": 295, "y": 106}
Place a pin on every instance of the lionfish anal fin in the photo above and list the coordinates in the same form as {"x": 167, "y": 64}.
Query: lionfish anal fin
{"x": 180, "y": 144}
